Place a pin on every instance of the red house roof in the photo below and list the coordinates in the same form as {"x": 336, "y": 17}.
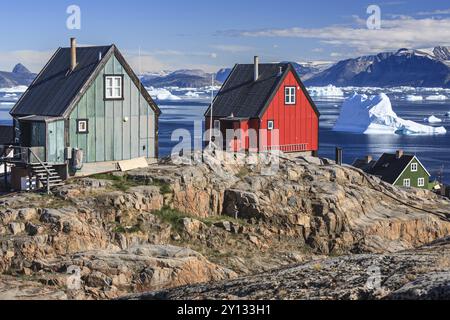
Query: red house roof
{"x": 242, "y": 97}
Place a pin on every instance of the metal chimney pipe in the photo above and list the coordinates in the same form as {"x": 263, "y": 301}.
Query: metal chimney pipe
{"x": 73, "y": 53}
{"x": 256, "y": 63}
{"x": 339, "y": 156}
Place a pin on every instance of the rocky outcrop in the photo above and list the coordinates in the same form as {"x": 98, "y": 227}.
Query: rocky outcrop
{"x": 417, "y": 274}
{"x": 179, "y": 224}
{"x": 330, "y": 208}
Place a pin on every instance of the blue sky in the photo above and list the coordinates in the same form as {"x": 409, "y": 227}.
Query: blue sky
{"x": 174, "y": 34}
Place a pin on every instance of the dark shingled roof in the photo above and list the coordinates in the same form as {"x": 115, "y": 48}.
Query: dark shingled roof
{"x": 243, "y": 97}
{"x": 363, "y": 165}
{"x": 55, "y": 87}
{"x": 6, "y": 135}
{"x": 389, "y": 168}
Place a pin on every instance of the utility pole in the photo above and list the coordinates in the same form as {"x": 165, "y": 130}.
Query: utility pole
{"x": 211, "y": 121}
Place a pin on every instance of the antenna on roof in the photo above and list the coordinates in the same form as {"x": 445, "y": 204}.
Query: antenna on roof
{"x": 212, "y": 106}
{"x": 140, "y": 65}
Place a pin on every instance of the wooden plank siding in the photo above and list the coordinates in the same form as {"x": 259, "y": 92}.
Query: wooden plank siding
{"x": 297, "y": 124}
{"x": 119, "y": 129}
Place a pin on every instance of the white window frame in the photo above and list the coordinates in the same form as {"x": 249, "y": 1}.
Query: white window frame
{"x": 217, "y": 125}
{"x": 270, "y": 125}
{"x": 112, "y": 89}
{"x": 290, "y": 95}
{"x": 80, "y": 128}
{"x": 421, "y": 182}
{"x": 414, "y": 167}
{"x": 407, "y": 183}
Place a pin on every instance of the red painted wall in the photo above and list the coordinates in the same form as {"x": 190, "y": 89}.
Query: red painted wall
{"x": 297, "y": 124}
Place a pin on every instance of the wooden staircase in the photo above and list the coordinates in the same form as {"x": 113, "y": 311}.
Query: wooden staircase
{"x": 47, "y": 175}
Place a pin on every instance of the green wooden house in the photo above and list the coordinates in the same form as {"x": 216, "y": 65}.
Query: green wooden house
{"x": 398, "y": 169}
{"x": 86, "y": 106}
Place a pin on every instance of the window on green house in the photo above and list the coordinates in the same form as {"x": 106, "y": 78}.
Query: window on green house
{"x": 407, "y": 182}
{"x": 421, "y": 182}
{"x": 414, "y": 167}
{"x": 82, "y": 126}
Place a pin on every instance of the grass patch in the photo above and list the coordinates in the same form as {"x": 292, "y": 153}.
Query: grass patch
{"x": 171, "y": 216}
{"x": 243, "y": 172}
{"x": 121, "y": 183}
{"x": 124, "y": 183}
{"x": 127, "y": 230}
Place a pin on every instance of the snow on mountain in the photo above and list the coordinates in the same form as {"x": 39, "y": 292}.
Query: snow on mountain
{"x": 374, "y": 115}
{"x": 180, "y": 78}
{"x": 406, "y": 67}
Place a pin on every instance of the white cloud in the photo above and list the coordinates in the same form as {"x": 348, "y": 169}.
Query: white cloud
{"x": 232, "y": 48}
{"x": 397, "y": 33}
{"x": 145, "y": 63}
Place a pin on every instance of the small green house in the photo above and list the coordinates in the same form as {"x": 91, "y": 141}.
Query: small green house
{"x": 88, "y": 100}
{"x": 402, "y": 170}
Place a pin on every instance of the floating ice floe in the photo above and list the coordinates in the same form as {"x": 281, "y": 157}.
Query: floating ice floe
{"x": 439, "y": 97}
{"x": 328, "y": 91}
{"x": 414, "y": 98}
{"x": 374, "y": 115}
{"x": 192, "y": 94}
{"x": 162, "y": 94}
{"x": 433, "y": 119}
{"x": 18, "y": 89}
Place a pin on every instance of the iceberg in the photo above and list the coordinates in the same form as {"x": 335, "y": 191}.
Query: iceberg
{"x": 433, "y": 119}
{"x": 374, "y": 115}
{"x": 439, "y": 97}
{"x": 192, "y": 94}
{"x": 414, "y": 98}
{"x": 328, "y": 91}
{"x": 162, "y": 94}
{"x": 18, "y": 89}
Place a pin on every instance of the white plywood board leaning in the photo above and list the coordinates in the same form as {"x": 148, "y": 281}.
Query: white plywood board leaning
{"x": 137, "y": 163}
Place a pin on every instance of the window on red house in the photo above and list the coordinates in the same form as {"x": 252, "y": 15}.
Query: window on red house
{"x": 289, "y": 95}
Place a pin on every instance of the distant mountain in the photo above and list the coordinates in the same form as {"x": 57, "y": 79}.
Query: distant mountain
{"x": 180, "y": 78}
{"x": 417, "y": 68}
{"x": 223, "y": 74}
{"x": 20, "y": 76}
{"x": 307, "y": 70}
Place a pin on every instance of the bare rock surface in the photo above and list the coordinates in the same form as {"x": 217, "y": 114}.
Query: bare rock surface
{"x": 418, "y": 274}
{"x": 178, "y": 224}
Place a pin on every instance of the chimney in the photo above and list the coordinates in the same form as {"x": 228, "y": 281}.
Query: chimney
{"x": 399, "y": 154}
{"x": 73, "y": 53}
{"x": 256, "y": 68}
{"x": 369, "y": 159}
{"x": 339, "y": 156}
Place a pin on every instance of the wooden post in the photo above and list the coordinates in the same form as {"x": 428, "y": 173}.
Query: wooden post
{"x": 6, "y": 176}
{"x": 48, "y": 183}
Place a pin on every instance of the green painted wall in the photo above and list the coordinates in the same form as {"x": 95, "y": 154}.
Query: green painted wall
{"x": 118, "y": 130}
{"x": 414, "y": 176}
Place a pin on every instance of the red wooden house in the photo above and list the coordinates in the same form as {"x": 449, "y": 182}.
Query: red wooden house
{"x": 271, "y": 99}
